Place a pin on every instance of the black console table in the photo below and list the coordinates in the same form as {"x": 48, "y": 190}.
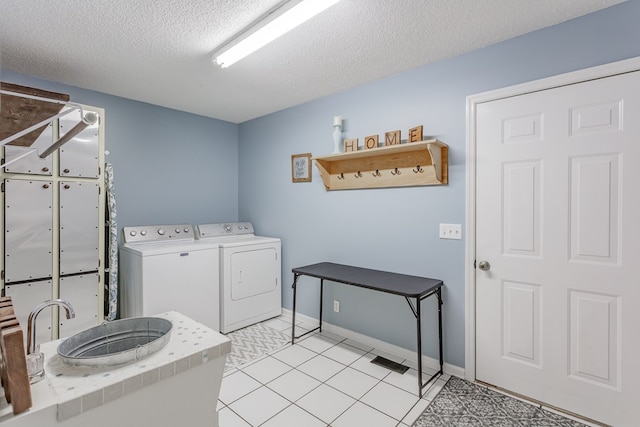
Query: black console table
{"x": 410, "y": 287}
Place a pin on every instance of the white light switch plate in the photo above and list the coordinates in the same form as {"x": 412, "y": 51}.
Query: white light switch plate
{"x": 451, "y": 231}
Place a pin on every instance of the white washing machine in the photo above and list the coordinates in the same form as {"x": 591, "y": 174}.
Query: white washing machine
{"x": 164, "y": 268}
{"x": 250, "y": 274}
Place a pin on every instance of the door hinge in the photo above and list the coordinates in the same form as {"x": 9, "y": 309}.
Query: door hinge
{"x": 2, "y": 187}
{"x": 474, "y": 263}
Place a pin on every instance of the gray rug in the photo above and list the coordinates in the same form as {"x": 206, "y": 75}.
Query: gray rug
{"x": 461, "y": 403}
{"x": 252, "y": 342}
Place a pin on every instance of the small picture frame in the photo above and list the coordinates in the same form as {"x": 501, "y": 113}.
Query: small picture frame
{"x": 301, "y": 167}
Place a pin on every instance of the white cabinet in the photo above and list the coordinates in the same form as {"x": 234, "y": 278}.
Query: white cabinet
{"x": 25, "y": 297}
{"x": 82, "y": 292}
{"x": 28, "y": 226}
{"x": 79, "y": 157}
{"x": 79, "y": 226}
{"x": 53, "y": 213}
{"x": 31, "y": 165}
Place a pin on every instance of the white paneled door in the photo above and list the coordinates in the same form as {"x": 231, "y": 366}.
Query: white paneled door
{"x": 558, "y": 235}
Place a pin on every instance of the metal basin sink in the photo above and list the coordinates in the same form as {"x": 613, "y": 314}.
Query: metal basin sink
{"x": 116, "y": 343}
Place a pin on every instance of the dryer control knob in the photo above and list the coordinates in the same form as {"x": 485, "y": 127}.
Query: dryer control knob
{"x": 228, "y": 228}
{"x": 132, "y": 233}
{"x": 143, "y": 233}
{"x": 186, "y": 229}
{"x": 177, "y": 230}
{"x": 161, "y": 231}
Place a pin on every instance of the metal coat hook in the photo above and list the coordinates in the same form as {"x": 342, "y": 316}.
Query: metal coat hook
{"x": 376, "y": 173}
{"x": 358, "y": 175}
{"x": 418, "y": 169}
{"x": 341, "y": 176}
{"x": 396, "y": 171}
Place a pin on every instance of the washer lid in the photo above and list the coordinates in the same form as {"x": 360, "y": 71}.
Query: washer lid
{"x": 162, "y": 248}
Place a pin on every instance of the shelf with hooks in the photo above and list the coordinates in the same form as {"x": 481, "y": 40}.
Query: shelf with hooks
{"x": 402, "y": 165}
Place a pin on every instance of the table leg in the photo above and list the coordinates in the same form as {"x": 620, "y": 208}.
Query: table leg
{"x": 321, "y": 292}
{"x": 419, "y": 328}
{"x": 439, "y": 295}
{"x": 293, "y": 320}
{"x": 296, "y": 276}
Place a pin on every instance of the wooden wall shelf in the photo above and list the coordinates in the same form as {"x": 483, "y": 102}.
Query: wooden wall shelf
{"x": 402, "y": 165}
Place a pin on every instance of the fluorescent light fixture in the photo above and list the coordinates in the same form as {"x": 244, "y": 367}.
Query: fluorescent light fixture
{"x": 273, "y": 26}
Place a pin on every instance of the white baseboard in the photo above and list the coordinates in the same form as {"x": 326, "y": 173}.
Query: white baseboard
{"x": 395, "y": 350}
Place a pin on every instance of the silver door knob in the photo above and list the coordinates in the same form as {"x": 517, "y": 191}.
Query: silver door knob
{"x": 484, "y": 265}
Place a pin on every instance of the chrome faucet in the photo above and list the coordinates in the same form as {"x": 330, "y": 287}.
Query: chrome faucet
{"x": 31, "y": 323}
{"x": 35, "y": 359}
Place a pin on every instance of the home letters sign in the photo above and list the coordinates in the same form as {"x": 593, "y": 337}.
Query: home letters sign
{"x": 390, "y": 138}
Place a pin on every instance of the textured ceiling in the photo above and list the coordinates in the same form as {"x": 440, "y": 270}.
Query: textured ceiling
{"x": 159, "y": 51}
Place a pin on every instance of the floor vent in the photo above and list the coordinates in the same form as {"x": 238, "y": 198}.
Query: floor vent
{"x": 390, "y": 364}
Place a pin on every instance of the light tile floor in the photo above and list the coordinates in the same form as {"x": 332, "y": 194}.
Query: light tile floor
{"x": 322, "y": 380}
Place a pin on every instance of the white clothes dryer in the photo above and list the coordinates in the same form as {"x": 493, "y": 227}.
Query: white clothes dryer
{"x": 163, "y": 268}
{"x": 250, "y": 274}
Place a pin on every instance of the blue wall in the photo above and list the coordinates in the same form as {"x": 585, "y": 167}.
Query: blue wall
{"x": 169, "y": 166}
{"x": 176, "y": 167}
{"x": 397, "y": 229}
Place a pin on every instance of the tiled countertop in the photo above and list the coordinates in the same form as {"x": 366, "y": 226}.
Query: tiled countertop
{"x": 79, "y": 389}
